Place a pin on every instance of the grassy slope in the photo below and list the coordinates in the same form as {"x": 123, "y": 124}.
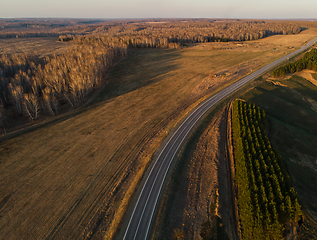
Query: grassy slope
{"x": 70, "y": 177}
{"x": 290, "y": 106}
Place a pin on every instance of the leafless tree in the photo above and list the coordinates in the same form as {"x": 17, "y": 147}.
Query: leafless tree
{"x": 17, "y": 96}
{"x": 31, "y": 105}
{"x": 2, "y": 118}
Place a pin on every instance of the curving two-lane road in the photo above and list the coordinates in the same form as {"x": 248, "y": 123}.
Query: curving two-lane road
{"x": 143, "y": 211}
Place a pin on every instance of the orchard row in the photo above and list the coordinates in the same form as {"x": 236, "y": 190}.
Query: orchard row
{"x": 266, "y": 200}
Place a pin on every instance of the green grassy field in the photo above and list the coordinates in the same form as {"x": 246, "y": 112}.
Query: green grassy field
{"x": 74, "y": 176}
{"x": 290, "y": 105}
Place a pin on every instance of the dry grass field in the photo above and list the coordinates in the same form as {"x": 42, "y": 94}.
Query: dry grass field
{"x": 287, "y": 41}
{"x": 74, "y": 177}
{"x": 43, "y": 46}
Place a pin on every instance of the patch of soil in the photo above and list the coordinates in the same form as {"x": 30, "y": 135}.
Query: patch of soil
{"x": 307, "y": 74}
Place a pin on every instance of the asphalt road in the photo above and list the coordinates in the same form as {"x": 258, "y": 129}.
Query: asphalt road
{"x": 143, "y": 211}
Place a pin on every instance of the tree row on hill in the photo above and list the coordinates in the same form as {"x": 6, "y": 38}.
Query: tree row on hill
{"x": 309, "y": 61}
{"x": 267, "y": 202}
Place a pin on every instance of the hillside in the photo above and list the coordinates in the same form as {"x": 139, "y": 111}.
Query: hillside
{"x": 290, "y": 104}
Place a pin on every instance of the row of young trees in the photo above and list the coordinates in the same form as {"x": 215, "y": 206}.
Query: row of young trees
{"x": 33, "y": 85}
{"x": 266, "y": 200}
{"x": 309, "y": 61}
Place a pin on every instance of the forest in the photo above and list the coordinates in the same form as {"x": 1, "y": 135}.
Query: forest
{"x": 44, "y": 27}
{"x": 34, "y": 86}
{"x": 308, "y": 61}
{"x": 267, "y": 203}
{"x": 182, "y": 32}
{"x": 176, "y": 30}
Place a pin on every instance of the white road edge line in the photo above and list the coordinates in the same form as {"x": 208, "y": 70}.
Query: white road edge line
{"x": 151, "y": 172}
{"x": 136, "y": 232}
{"x": 200, "y": 115}
{"x": 181, "y": 132}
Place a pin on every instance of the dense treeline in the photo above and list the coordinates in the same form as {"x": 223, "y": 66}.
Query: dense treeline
{"x": 32, "y": 85}
{"x": 12, "y": 28}
{"x": 177, "y": 33}
{"x": 309, "y": 61}
{"x": 266, "y": 200}
{"x": 181, "y": 32}
{"x": 130, "y": 42}
{"x": 188, "y": 31}
{"x": 209, "y": 31}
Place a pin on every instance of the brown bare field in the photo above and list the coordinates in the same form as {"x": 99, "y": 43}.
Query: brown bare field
{"x": 74, "y": 177}
{"x": 43, "y": 46}
{"x": 290, "y": 41}
{"x": 308, "y": 74}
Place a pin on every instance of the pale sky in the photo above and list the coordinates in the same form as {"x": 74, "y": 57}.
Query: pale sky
{"x": 280, "y": 9}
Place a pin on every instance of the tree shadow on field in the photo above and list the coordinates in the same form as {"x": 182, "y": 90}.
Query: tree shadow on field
{"x": 141, "y": 68}
{"x": 289, "y": 104}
